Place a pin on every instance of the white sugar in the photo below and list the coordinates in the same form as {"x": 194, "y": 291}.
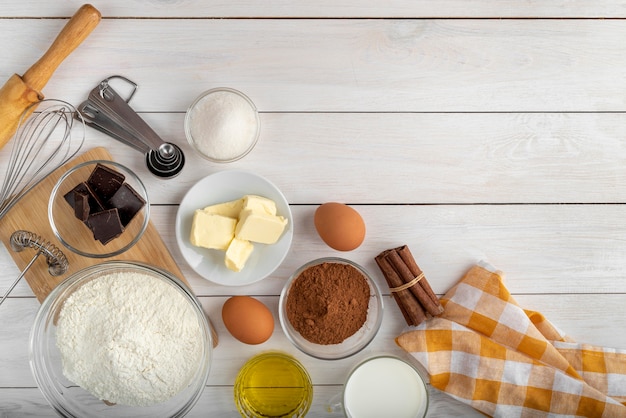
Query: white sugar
{"x": 223, "y": 125}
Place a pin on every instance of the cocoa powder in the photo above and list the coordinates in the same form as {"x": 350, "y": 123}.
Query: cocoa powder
{"x": 328, "y": 302}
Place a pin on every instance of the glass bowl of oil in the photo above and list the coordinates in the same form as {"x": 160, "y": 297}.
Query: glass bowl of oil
{"x": 273, "y": 384}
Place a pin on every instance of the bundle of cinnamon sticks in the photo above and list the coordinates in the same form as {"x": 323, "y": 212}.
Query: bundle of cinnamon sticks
{"x": 408, "y": 285}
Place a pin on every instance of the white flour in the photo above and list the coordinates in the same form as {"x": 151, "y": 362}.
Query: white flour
{"x": 129, "y": 339}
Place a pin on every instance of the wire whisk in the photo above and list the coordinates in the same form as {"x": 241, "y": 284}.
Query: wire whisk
{"x": 57, "y": 262}
{"x": 42, "y": 143}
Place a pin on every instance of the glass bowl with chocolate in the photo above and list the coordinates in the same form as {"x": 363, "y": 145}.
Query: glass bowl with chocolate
{"x": 330, "y": 308}
{"x": 99, "y": 209}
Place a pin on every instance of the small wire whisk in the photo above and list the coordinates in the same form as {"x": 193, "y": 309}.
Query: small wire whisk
{"x": 57, "y": 262}
{"x": 42, "y": 143}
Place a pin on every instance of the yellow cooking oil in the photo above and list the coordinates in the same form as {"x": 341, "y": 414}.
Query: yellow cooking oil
{"x": 273, "y": 384}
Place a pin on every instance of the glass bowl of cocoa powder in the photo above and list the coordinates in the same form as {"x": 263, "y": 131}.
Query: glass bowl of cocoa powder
{"x": 330, "y": 308}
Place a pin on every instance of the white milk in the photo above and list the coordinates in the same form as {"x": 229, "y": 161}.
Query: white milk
{"x": 385, "y": 387}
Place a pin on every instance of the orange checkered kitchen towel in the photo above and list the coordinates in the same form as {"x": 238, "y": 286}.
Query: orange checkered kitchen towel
{"x": 488, "y": 352}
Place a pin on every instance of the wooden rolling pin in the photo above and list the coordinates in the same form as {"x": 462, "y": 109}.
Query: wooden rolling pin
{"x": 21, "y": 93}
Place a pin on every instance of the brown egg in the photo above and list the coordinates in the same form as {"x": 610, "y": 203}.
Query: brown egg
{"x": 340, "y": 226}
{"x": 248, "y": 319}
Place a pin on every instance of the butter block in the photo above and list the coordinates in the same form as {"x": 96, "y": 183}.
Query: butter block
{"x": 259, "y": 204}
{"x": 210, "y": 230}
{"x": 259, "y": 227}
{"x": 237, "y": 254}
{"x": 230, "y": 209}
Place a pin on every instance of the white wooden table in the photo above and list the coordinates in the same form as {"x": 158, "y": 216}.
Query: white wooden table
{"x": 469, "y": 130}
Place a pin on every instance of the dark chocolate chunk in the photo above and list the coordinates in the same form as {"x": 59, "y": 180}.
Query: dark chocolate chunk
{"x": 128, "y": 203}
{"x": 94, "y": 203}
{"x": 105, "y": 181}
{"x": 105, "y": 225}
{"x": 81, "y": 206}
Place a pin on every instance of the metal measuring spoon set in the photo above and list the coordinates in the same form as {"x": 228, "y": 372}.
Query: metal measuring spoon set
{"x": 108, "y": 112}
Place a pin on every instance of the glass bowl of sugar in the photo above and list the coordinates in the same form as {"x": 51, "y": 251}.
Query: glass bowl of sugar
{"x": 222, "y": 125}
{"x": 121, "y": 339}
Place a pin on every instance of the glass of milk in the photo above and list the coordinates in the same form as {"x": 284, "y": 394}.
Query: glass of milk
{"x": 382, "y": 386}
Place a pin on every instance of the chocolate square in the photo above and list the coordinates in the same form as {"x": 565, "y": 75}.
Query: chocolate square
{"x": 105, "y": 181}
{"x": 81, "y": 206}
{"x": 105, "y": 225}
{"x": 128, "y": 203}
{"x": 94, "y": 203}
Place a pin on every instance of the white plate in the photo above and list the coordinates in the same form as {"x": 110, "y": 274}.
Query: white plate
{"x": 221, "y": 187}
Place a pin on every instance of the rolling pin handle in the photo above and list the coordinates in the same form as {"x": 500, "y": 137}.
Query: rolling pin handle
{"x": 71, "y": 36}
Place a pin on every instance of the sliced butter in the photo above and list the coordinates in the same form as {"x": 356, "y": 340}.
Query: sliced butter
{"x": 237, "y": 254}
{"x": 230, "y": 209}
{"x": 210, "y": 230}
{"x": 258, "y": 204}
{"x": 259, "y": 227}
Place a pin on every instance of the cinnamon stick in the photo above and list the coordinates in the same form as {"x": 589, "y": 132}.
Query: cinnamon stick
{"x": 409, "y": 306}
{"x": 405, "y": 254}
{"x": 405, "y": 274}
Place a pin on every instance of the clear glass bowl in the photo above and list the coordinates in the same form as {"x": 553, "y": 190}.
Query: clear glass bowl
{"x": 350, "y": 345}
{"x": 70, "y": 400}
{"x": 273, "y": 384}
{"x": 72, "y": 232}
{"x": 383, "y": 385}
{"x": 215, "y": 118}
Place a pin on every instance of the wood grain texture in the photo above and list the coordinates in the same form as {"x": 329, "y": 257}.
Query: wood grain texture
{"x": 328, "y": 8}
{"x": 344, "y": 65}
{"x": 29, "y": 403}
{"x": 430, "y": 158}
{"x": 466, "y": 129}
{"x": 524, "y": 241}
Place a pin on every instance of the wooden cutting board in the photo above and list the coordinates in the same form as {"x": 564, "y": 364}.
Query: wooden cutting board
{"x": 31, "y": 214}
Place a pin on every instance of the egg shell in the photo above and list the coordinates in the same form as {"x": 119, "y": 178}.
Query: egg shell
{"x": 339, "y": 226}
{"x": 248, "y": 319}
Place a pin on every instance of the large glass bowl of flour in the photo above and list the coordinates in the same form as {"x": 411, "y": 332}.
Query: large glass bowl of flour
{"x": 121, "y": 339}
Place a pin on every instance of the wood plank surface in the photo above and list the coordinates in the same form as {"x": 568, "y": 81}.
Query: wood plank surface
{"x": 467, "y": 129}
{"x": 525, "y": 241}
{"x": 343, "y": 65}
{"x": 528, "y": 250}
{"x": 328, "y": 8}
{"x": 430, "y": 158}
